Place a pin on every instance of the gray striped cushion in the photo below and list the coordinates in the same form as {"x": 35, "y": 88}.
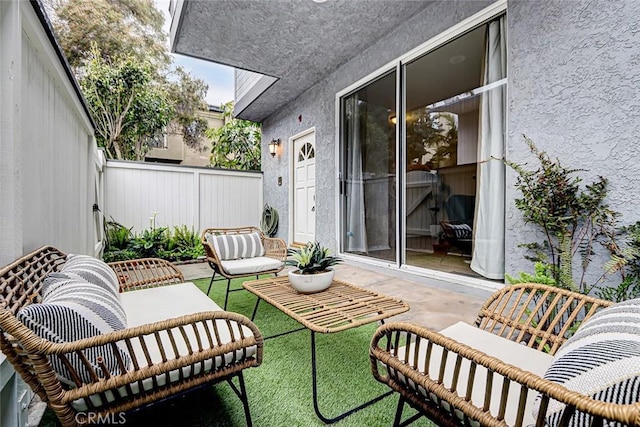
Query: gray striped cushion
{"x": 236, "y": 246}
{"x": 74, "y": 309}
{"x": 461, "y": 231}
{"x": 601, "y": 360}
{"x": 93, "y": 270}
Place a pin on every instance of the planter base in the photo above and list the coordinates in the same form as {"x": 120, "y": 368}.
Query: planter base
{"x": 310, "y": 283}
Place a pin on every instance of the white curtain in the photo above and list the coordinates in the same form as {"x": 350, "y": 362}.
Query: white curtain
{"x": 488, "y": 250}
{"x": 356, "y": 238}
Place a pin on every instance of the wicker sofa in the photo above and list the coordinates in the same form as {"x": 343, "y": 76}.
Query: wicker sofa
{"x": 175, "y": 340}
{"x": 493, "y": 373}
{"x": 232, "y": 253}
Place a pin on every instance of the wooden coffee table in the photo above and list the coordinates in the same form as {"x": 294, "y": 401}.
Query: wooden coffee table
{"x": 342, "y": 306}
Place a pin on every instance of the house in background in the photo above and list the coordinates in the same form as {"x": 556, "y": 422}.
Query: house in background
{"x": 172, "y": 148}
{"x": 392, "y": 116}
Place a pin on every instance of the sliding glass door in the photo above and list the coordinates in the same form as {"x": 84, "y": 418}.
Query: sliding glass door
{"x": 450, "y": 178}
{"x": 368, "y": 157}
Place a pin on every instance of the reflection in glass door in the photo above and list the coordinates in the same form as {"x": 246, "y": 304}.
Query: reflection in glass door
{"x": 450, "y": 91}
{"x": 368, "y": 185}
{"x": 450, "y": 184}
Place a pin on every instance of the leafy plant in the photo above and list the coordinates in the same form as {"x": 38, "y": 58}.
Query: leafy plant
{"x": 625, "y": 259}
{"x": 542, "y": 274}
{"x": 572, "y": 218}
{"x": 117, "y": 236}
{"x": 119, "y": 255}
{"x": 312, "y": 258}
{"x": 236, "y": 144}
{"x": 150, "y": 243}
{"x": 182, "y": 244}
{"x": 269, "y": 221}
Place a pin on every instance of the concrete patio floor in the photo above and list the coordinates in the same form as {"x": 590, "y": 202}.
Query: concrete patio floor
{"x": 434, "y": 304}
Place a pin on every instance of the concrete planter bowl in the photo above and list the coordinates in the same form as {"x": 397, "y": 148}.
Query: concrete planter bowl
{"x": 311, "y": 283}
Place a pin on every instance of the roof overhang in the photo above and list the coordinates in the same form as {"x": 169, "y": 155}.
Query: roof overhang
{"x": 296, "y": 42}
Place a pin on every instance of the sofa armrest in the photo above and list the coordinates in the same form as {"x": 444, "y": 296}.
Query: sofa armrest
{"x": 145, "y": 273}
{"x": 275, "y": 248}
{"x": 542, "y": 316}
{"x": 447, "y": 370}
{"x": 201, "y": 334}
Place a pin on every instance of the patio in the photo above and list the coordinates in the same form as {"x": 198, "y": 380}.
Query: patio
{"x": 431, "y": 305}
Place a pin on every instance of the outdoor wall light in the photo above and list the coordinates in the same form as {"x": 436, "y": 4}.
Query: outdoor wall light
{"x": 273, "y": 146}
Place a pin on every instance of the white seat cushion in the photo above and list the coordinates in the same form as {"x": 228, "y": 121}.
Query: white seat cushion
{"x": 251, "y": 265}
{"x": 155, "y": 304}
{"x": 508, "y": 351}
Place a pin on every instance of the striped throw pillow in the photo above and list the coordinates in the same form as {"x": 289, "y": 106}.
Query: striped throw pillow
{"x": 74, "y": 309}
{"x": 461, "y": 231}
{"x": 93, "y": 270}
{"x": 601, "y": 360}
{"x": 236, "y": 246}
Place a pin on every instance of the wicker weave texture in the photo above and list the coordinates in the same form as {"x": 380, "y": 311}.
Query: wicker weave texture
{"x": 540, "y": 316}
{"x": 200, "y": 333}
{"x": 342, "y": 306}
{"x": 543, "y": 317}
{"x": 273, "y": 248}
{"x": 145, "y": 273}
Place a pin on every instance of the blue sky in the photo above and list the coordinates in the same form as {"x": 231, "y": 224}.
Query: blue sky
{"x": 218, "y": 77}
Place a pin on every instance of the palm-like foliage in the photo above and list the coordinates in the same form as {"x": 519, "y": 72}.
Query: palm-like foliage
{"x": 311, "y": 258}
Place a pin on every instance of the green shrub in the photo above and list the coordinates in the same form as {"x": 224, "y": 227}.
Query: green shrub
{"x": 180, "y": 244}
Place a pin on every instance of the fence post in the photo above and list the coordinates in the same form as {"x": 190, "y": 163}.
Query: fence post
{"x": 196, "y": 200}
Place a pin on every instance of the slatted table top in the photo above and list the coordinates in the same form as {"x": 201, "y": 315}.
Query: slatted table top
{"x": 342, "y": 306}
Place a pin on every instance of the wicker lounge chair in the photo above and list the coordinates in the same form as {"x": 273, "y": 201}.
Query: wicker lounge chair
{"x": 161, "y": 358}
{"x": 241, "y": 258}
{"x": 490, "y": 373}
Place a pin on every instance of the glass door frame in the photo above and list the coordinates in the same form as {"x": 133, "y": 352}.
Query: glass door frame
{"x": 399, "y": 66}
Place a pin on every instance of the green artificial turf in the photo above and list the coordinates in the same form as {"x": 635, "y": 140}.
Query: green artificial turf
{"x": 279, "y": 390}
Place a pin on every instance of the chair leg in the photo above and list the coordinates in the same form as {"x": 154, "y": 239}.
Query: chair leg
{"x": 245, "y": 401}
{"x": 211, "y": 282}
{"x": 242, "y": 394}
{"x": 399, "y": 409}
{"x": 226, "y": 297}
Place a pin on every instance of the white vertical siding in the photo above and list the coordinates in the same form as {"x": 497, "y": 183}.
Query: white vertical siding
{"x": 195, "y": 197}
{"x": 244, "y": 80}
{"x": 58, "y": 173}
{"x": 47, "y": 172}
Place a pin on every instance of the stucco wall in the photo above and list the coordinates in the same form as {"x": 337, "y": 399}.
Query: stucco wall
{"x": 573, "y": 72}
{"x": 316, "y": 107}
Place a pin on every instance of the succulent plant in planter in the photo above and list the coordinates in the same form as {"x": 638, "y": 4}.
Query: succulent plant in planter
{"x": 312, "y": 273}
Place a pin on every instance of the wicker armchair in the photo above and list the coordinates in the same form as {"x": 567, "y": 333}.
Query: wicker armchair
{"x": 274, "y": 250}
{"x": 444, "y": 380}
{"x": 141, "y": 382}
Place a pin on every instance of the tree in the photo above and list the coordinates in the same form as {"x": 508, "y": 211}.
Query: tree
{"x": 129, "y": 108}
{"x": 236, "y": 145}
{"x": 129, "y": 29}
{"x": 120, "y": 28}
{"x": 187, "y": 94}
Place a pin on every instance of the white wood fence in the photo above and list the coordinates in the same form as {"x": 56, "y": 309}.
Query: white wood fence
{"x": 196, "y": 197}
{"x": 49, "y": 164}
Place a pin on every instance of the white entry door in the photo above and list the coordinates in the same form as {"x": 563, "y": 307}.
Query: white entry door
{"x": 304, "y": 194}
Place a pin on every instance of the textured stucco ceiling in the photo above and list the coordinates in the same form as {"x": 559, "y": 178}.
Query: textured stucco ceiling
{"x": 297, "y": 41}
